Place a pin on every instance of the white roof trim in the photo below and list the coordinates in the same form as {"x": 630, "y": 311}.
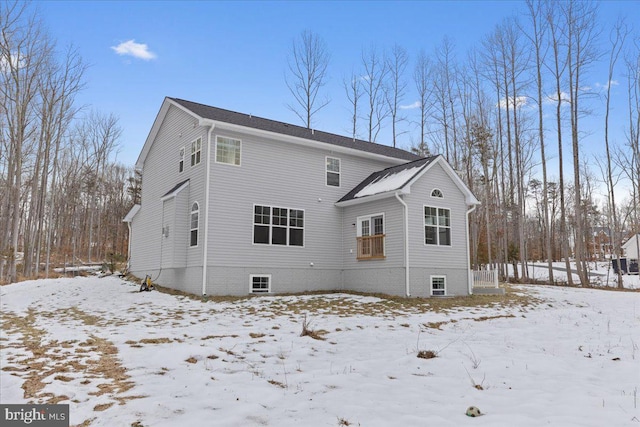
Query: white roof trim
{"x": 156, "y": 127}
{"x": 406, "y": 188}
{"x": 132, "y": 212}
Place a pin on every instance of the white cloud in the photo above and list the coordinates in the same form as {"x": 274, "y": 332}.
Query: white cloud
{"x": 137, "y": 50}
{"x": 519, "y": 101}
{"x": 410, "y": 106}
{"x": 564, "y": 97}
{"x": 607, "y": 85}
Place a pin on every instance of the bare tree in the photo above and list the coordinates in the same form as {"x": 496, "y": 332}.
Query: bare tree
{"x": 558, "y": 69}
{"x": 396, "y": 64}
{"x": 375, "y": 76}
{"x": 581, "y": 53}
{"x": 308, "y": 74}
{"x": 538, "y": 23}
{"x": 353, "y": 89}
{"x": 616, "y": 38}
{"x": 422, "y": 74}
{"x": 23, "y": 52}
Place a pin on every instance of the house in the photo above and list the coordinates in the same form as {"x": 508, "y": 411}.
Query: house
{"x": 600, "y": 246}
{"x": 630, "y": 247}
{"x": 233, "y": 204}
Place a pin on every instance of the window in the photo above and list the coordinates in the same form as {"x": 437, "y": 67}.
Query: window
{"x": 181, "y": 157}
{"x": 196, "y": 150}
{"x": 437, "y": 193}
{"x": 438, "y": 285}
{"x": 437, "y": 226}
{"x": 278, "y": 226}
{"x": 370, "y": 237}
{"x": 195, "y": 211}
{"x": 260, "y": 283}
{"x": 333, "y": 171}
{"x": 228, "y": 150}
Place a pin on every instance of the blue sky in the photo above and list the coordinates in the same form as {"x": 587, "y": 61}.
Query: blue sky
{"x": 233, "y": 54}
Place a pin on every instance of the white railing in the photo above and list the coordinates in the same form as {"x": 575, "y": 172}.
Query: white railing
{"x": 485, "y": 278}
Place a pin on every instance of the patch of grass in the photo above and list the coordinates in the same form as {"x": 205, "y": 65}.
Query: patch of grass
{"x": 277, "y": 383}
{"x": 427, "y": 354}
{"x": 256, "y": 335}
{"x": 103, "y": 406}
{"x": 308, "y": 332}
{"x": 192, "y": 360}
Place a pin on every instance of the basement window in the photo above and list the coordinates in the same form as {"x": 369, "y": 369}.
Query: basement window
{"x": 260, "y": 283}
{"x": 438, "y": 286}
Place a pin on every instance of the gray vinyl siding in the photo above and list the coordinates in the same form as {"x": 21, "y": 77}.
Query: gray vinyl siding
{"x": 282, "y": 174}
{"x": 278, "y": 174}
{"x": 375, "y": 275}
{"x": 160, "y": 173}
{"x": 426, "y": 260}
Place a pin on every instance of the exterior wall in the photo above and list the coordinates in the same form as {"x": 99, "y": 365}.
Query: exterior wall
{"x": 160, "y": 173}
{"x": 235, "y": 280}
{"x": 277, "y": 174}
{"x": 426, "y": 260}
{"x": 281, "y": 174}
{"x": 375, "y": 275}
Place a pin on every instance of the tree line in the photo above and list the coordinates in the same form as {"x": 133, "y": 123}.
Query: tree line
{"x": 495, "y": 114}
{"x": 62, "y": 198}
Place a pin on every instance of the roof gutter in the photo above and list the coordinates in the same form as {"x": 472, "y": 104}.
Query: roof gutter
{"x": 405, "y": 208}
{"x": 205, "y": 251}
{"x": 469, "y": 273}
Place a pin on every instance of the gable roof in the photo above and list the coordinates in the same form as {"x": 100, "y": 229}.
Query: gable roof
{"x": 214, "y": 114}
{"x": 387, "y": 182}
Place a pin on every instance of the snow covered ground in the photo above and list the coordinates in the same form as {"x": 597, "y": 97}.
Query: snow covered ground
{"x": 539, "y": 356}
{"x": 600, "y": 273}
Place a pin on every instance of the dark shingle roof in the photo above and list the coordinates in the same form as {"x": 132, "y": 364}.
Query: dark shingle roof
{"x": 219, "y": 114}
{"x": 174, "y": 189}
{"x": 388, "y": 173}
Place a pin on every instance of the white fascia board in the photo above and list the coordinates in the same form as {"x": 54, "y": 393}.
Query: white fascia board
{"x": 156, "y": 127}
{"x": 372, "y": 198}
{"x": 303, "y": 141}
{"x": 132, "y": 212}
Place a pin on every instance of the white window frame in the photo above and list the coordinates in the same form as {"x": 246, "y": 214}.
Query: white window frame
{"x": 260, "y": 291}
{"x": 371, "y": 227}
{"x": 218, "y": 137}
{"x": 431, "y": 289}
{"x": 327, "y": 171}
{"x": 181, "y": 154}
{"x": 197, "y": 228}
{"x": 196, "y": 152}
{"x": 437, "y": 226}
{"x": 437, "y": 191}
{"x": 271, "y": 225}
{"x": 361, "y": 219}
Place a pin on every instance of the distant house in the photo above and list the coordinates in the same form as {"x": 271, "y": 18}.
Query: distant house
{"x": 600, "y": 245}
{"x": 630, "y": 247}
{"x": 233, "y": 204}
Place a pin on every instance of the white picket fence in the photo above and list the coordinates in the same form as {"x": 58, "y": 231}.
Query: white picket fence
{"x": 485, "y": 278}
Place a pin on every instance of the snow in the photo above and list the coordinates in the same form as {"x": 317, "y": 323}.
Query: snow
{"x": 570, "y": 357}
{"x": 389, "y": 182}
{"x": 600, "y": 274}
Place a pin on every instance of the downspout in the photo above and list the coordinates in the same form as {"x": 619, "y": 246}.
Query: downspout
{"x": 129, "y": 247}
{"x": 469, "y": 273}
{"x": 205, "y": 250}
{"x": 406, "y": 244}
